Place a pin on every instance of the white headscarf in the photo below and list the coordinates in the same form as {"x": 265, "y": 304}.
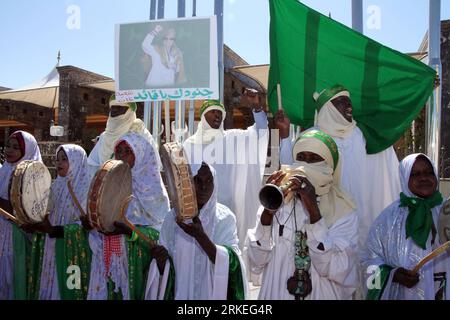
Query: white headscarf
{"x": 406, "y": 166}
{"x": 330, "y": 120}
{"x": 152, "y": 203}
{"x": 205, "y": 134}
{"x": 117, "y": 127}
{"x": 219, "y": 224}
{"x": 32, "y": 152}
{"x": 334, "y": 202}
{"x": 64, "y": 210}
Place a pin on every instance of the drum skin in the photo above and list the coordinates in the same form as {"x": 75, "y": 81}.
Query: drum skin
{"x": 111, "y": 185}
{"x": 30, "y": 191}
{"x": 180, "y": 183}
{"x": 444, "y": 222}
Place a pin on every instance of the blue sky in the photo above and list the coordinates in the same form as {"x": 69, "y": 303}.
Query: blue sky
{"x": 32, "y": 31}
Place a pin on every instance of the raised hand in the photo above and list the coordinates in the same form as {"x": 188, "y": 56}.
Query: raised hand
{"x": 282, "y": 123}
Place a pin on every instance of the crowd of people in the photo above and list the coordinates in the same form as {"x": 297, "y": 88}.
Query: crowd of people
{"x": 351, "y": 225}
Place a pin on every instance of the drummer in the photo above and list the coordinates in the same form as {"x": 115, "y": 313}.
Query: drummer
{"x": 404, "y": 233}
{"x": 63, "y": 229}
{"x": 207, "y": 257}
{"x": 120, "y": 260}
{"x": 20, "y": 146}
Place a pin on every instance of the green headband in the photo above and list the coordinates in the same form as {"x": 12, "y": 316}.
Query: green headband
{"x": 131, "y": 105}
{"x": 327, "y": 140}
{"x": 328, "y": 94}
{"x": 211, "y": 103}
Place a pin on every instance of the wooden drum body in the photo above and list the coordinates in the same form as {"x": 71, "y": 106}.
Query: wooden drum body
{"x": 30, "y": 191}
{"x": 110, "y": 187}
{"x": 180, "y": 183}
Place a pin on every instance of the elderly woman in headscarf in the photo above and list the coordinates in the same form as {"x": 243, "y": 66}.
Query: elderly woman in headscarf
{"x": 61, "y": 241}
{"x": 122, "y": 119}
{"x": 120, "y": 260}
{"x": 403, "y": 234}
{"x": 307, "y": 249}
{"x": 205, "y": 251}
{"x": 20, "y": 146}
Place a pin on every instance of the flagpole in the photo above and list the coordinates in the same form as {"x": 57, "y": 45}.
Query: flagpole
{"x": 357, "y": 16}
{"x": 434, "y": 106}
{"x": 218, "y": 11}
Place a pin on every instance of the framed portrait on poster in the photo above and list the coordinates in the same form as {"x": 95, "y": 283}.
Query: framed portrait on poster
{"x": 167, "y": 60}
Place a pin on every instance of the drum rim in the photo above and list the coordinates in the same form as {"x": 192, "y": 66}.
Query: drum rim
{"x": 180, "y": 209}
{"x": 111, "y": 164}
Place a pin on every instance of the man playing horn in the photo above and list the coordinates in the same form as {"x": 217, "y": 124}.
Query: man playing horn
{"x": 307, "y": 249}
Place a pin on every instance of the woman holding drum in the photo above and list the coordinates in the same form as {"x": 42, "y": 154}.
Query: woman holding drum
{"x": 20, "y": 146}
{"x": 120, "y": 259}
{"x": 66, "y": 243}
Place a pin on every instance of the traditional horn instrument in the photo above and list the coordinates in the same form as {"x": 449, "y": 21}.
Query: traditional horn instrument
{"x": 272, "y": 196}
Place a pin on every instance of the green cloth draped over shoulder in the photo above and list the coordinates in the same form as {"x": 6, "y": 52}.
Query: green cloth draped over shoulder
{"x": 235, "y": 289}
{"x": 139, "y": 259}
{"x": 310, "y": 52}
{"x": 379, "y": 283}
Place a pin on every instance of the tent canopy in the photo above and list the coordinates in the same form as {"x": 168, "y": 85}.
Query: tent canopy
{"x": 45, "y": 92}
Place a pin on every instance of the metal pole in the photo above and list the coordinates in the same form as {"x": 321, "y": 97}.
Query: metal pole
{"x": 152, "y": 9}
{"x": 147, "y": 104}
{"x": 161, "y": 4}
{"x": 357, "y": 16}
{"x": 181, "y": 9}
{"x": 434, "y": 105}
{"x": 194, "y": 8}
{"x": 218, "y": 11}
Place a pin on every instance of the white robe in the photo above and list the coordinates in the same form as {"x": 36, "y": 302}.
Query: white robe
{"x": 148, "y": 208}
{"x": 333, "y": 271}
{"x": 196, "y": 277}
{"x": 32, "y": 152}
{"x": 387, "y": 245}
{"x": 63, "y": 212}
{"x": 159, "y": 74}
{"x": 372, "y": 180}
{"x": 239, "y": 169}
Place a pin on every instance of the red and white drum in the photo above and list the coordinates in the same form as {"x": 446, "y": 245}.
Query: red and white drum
{"x": 109, "y": 190}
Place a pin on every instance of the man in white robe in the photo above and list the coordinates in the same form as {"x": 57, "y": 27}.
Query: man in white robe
{"x": 237, "y": 156}
{"x": 122, "y": 119}
{"x": 403, "y": 234}
{"x": 205, "y": 252}
{"x": 371, "y": 179}
{"x": 323, "y": 266}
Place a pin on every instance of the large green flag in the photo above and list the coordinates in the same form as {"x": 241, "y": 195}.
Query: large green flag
{"x": 310, "y": 52}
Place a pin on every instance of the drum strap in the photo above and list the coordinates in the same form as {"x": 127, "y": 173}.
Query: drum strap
{"x": 74, "y": 198}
